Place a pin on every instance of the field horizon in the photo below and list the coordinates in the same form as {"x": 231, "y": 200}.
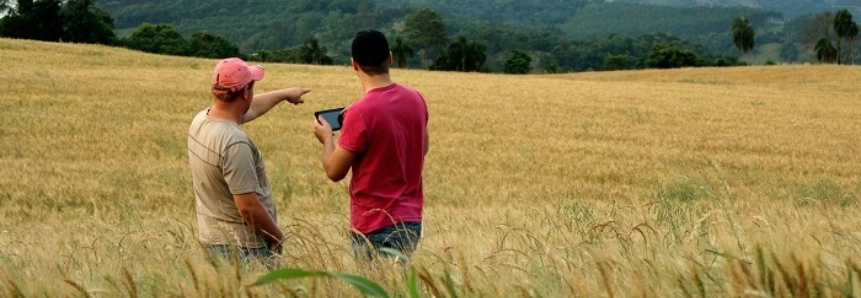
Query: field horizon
{"x": 739, "y": 181}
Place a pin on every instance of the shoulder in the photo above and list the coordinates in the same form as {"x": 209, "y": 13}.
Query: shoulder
{"x": 360, "y": 107}
{"x": 405, "y": 88}
{"x": 356, "y": 112}
{"x": 409, "y": 91}
{"x": 199, "y": 118}
{"x": 216, "y": 132}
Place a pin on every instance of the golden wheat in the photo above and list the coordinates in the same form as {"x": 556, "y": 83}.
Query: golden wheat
{"x": 715, "y": 181}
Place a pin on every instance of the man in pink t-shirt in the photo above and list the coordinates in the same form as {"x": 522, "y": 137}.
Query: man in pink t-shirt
{"x": 384, "y": 139}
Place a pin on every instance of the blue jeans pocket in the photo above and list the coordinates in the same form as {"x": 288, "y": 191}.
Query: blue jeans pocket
{"x": 403, "y": 237}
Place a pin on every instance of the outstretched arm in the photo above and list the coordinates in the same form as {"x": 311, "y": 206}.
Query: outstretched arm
{"x": 262, "y": 103}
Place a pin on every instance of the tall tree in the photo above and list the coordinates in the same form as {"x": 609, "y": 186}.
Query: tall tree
{"x": 669, "y": 56}
{"x": 157, "y": 39}
{"x": 83, "y": 22}
{"x": 39, "y": 20}
{"x": 207, "y": 45}
{"x": 312, "y": 53}
{"x": 401, "y": 52}
{"x": 56, "y": 20}
{"x": 517, "y": 63}
{"x": 846, "y": 30}
{"x": 825, "y": 52}
{"x": 616, "y": 62}
{"x": 462, "y": 55}
{"x": 425, "y": 29}
{"x": 743, "y": 34}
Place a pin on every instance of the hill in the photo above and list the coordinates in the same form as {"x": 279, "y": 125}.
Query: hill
{"x": 272, "y": 24}
{"x": 639, "y": 183}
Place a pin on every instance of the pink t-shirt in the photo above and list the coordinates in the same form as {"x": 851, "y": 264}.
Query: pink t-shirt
{"x": 386, "y": 131}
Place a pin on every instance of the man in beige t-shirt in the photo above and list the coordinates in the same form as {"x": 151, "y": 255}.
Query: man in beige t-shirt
{"x": 235, "y": 209}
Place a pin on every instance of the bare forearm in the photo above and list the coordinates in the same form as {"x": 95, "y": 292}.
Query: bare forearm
{"x": 262, "y": 224}
{"x": 262, "y": 103}
{"x": 328, "y": 149}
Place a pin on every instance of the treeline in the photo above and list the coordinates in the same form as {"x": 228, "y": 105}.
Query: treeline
{"x": 319, "y": 32}
{"x": 459, "y": 45}
{"x": 261, "y": 24}
{"x": 80, "y": 21}
{"x": 329, "y": 25}
{"x": 273, "y": 24}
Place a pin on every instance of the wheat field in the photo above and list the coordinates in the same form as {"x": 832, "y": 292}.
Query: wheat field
{"x": 708, "y": 182}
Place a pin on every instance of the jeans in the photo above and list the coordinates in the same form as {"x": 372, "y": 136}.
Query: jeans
{"x": 246, "y": 254}
{"x": 403, "y": 237}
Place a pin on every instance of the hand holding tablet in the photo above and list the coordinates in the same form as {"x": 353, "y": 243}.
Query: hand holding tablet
{"x": 331, "y": 116}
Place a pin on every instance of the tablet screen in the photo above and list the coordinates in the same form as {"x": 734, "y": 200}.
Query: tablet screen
{"x": 332, "y": 117}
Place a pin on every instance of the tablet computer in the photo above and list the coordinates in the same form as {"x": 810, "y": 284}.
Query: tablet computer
{"x": 332, "y": 116}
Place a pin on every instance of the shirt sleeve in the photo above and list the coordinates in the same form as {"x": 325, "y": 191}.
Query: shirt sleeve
{"x": 354, "y": 132}
{"x": 238, "y": 169}
{"x": 427, "y": 113}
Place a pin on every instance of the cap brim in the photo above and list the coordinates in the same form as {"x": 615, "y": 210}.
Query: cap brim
{"x": 256, "y": 72}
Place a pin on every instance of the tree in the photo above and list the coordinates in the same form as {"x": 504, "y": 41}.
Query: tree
{"x": 552, "y": 67}
{"x": 669, "y": 56}
{"x": 616, "y": 62}
{"x": 38, "y": 20}
{"x": 425, "y": 29}
{"x": 462, "y": 55}
{"x": 286, "y": 55}
{"x": 517, "y": 63}
{"x": 55, "y": 20}
{"x": 743, "y": 34}
{"x": 312, "y": 53}
{"x": 207, "y": 45}
{"x": 83, "y": 22}
{"x": 825, "y": 52}
{"x": 401, "y": 52}
{"x": 157, "y": 39}
{"x": 846, "y": 31}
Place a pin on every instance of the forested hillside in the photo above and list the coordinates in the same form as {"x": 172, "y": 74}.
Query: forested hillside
{"x": 273, "y": 24}
{"x": 556, "y": 35}
{"x": 257, "y": 24}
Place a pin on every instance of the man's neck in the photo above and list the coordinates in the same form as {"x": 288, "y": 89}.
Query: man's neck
{"x": 226, "y": 111}
{"x": 378, "y": 81}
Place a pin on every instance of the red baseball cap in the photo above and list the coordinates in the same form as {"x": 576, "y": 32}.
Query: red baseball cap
{"x": 233, "y": 74}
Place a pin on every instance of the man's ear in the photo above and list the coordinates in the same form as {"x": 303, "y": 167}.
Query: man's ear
{"x": 355, "y": 66}
{"x": 390, "y": 59}
{"x": 245, "y": 93}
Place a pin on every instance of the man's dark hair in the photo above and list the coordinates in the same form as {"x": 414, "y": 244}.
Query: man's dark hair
{"x": 370, "y": 50}
{"x": 375, "y": 70}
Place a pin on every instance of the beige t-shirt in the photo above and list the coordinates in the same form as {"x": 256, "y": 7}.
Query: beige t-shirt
{"x": 225, "y": 162}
